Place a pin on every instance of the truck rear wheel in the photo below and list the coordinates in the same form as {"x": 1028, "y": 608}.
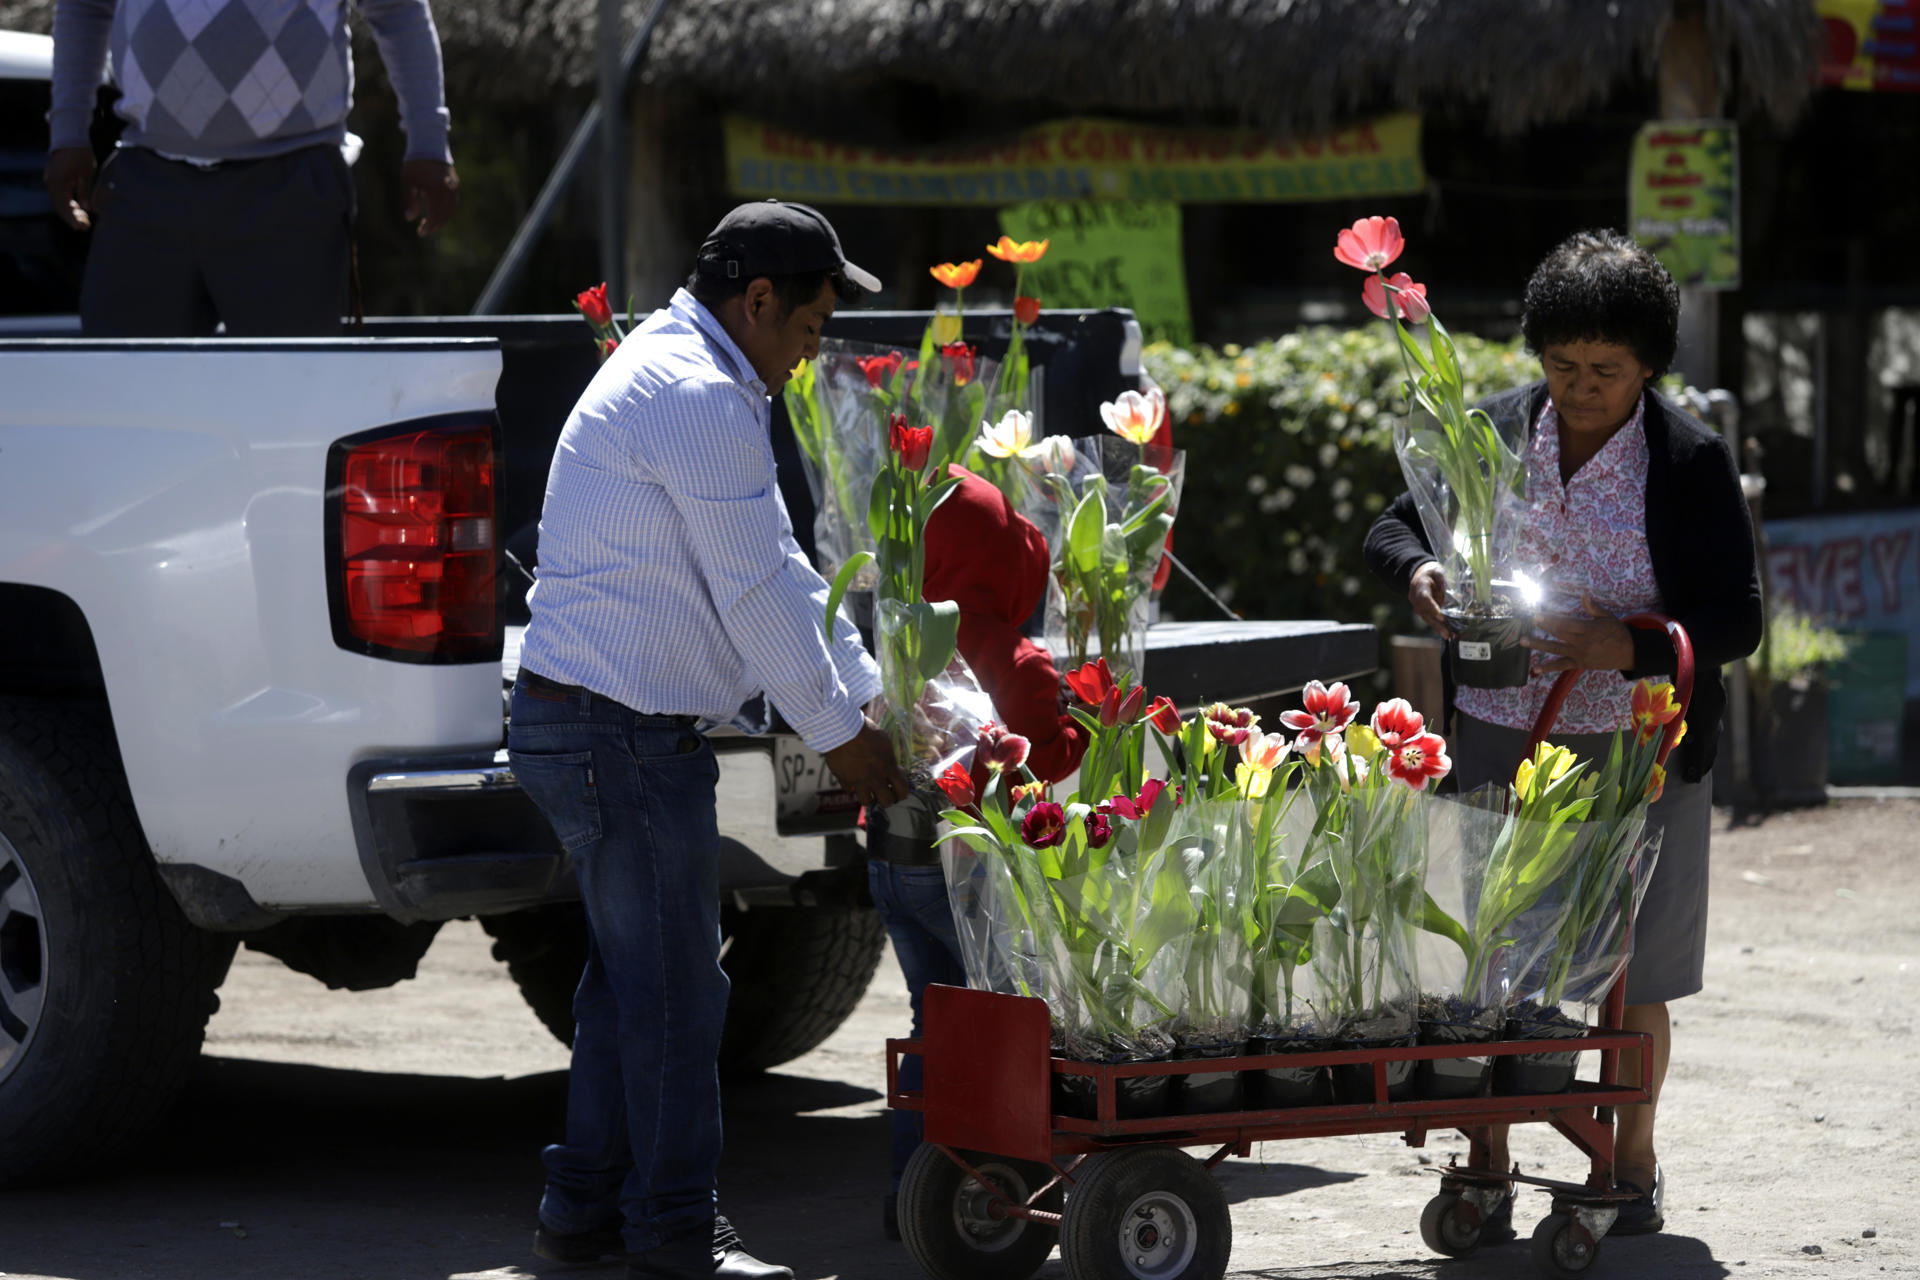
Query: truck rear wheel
{"x": 105, "y": 988}
{"x": 797, "y": 973}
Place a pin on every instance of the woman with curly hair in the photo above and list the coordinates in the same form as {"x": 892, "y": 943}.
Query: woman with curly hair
{"x": 1631, "y": 505}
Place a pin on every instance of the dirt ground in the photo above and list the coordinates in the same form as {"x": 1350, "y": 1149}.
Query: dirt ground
{"x": 396, "y": 1134}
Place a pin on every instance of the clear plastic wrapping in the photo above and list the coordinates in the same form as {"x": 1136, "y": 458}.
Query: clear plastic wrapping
{"x": 1364, "y": 962}
{"x": 1468, "y": 483}
{"x": 1106, "y": 508}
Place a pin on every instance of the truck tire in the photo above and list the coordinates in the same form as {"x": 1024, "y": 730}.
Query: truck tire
{"x": 797, "y": 973}
{"x": 105, "y": 988}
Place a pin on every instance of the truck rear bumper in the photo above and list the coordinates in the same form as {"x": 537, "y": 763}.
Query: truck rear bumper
{"x": 455, "y": 836}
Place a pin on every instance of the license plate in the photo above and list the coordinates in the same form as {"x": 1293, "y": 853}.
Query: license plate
{"x": 805, "y": 789}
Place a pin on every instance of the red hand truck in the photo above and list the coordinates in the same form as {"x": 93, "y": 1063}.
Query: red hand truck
{"x": 987, "y": 1195}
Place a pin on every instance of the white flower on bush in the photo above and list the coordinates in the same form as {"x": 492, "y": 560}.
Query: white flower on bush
{"x": 1297, "y": 561}
{"x": 1343, "y": 511}
{"x": 1008, "y": 437}
{"x": 1340, "y": 488}
{"x": 1329, "y": 454}
{"x": 1299, "y": 477}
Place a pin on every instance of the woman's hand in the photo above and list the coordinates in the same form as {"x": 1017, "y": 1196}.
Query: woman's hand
{"x": 1597, "y": 641}
{"x": 1427, "y": 592}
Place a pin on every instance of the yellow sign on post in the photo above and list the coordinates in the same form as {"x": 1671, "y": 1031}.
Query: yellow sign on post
{"x": 1683, "y": 199}
{"x": 1108, "y": 253}
{"x": 1083, "y": 159}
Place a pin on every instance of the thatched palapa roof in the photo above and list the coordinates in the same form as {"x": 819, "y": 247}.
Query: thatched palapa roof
{"x": 1283, "y": 65}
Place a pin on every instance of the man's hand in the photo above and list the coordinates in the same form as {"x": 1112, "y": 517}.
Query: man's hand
{"x": 1427, "y": 592}
{"x": 865, "y": 766}
{"x": 433, "y": 189}
{"x": 1596, "y": 642}
{"x": 70, "y": 174}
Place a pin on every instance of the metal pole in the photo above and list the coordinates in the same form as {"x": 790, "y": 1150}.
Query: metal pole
{"x": 613, "y": 156}
{"x": 520, "y": 249}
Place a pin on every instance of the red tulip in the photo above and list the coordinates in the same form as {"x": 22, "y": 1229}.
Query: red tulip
{"x": 1410, "y": 302}
{"x": 1395, "y": 721}
{"x": 1164, "y": 715}
{"x": 1138, "y": 807}
{"x": 1418, "y": 760}
{"x": 1131, "y": 708}
{"x": 1045, "y": 825}
{"x": 1370, "y": 243}
{"x": 1327, "y": 711}
{"x": 913, "y": 444}
{"x": 1091, "y": 682}
{"x": 959, "y": 362}
{"x": 607, "y": 347}
{"x": 879, "y": 368}
{"x": 959, "y": 787}
{"x": 1229, "y": 725}
{"x": 1026, "y": 310}
{"x": 593, "y": 305}
{"x": 1099, "y": 830}
{"x": 1001, "y": 749}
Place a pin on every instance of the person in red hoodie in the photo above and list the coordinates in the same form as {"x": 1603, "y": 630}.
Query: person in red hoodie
{"x": 994, "y": 564}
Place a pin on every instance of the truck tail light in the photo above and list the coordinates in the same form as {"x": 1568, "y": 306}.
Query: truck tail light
{"x": 410, "y": 521}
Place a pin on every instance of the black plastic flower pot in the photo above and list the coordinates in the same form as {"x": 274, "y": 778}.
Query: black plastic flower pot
{"x": 1204, "y": 1092}
{"x": 1454, "y": 1077}
{"x": 1270, "y": 1088}
{"x": 1486, "y": 652}
{"x": 1134, "y": 1097}
{"x": 1517, "y": 1073}
{"x": 1353, "y": 1081}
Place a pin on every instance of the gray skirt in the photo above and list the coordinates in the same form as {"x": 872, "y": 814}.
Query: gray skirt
{"x": 1670, "y": 932}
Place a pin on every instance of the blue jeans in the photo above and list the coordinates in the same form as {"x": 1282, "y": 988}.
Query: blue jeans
{"x": 631, "y": 798}
{"x": 912, "y": 902}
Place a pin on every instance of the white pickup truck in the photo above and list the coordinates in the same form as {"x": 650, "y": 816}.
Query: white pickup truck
{"x": 257, "y": 604}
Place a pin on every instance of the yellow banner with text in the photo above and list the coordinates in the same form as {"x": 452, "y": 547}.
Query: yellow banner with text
{"x": 1083, "y": 159}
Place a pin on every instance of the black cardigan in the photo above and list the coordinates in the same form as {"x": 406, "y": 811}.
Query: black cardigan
{"x": 1699, "y": 536}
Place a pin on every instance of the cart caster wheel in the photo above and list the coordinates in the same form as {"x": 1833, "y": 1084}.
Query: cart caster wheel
{"x": 1562, "y": 1248}
{"x": 1443, "y": 1225}
{"x": 948, "y": 1223}
{"x": 1151, "y": 1213}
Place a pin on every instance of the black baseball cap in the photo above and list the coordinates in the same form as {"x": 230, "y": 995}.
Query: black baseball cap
{"x": 775, "y": 238}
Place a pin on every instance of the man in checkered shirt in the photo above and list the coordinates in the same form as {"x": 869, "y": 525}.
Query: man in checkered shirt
{"x": 229, "y": 199}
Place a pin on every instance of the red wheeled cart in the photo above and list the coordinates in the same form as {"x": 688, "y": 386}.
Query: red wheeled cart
{"x": 987, "y": 1195}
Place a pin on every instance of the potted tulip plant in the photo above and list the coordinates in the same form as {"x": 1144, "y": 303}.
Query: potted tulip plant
{"x": 1098, "y": 885}
{"x": 1467, "y": 474}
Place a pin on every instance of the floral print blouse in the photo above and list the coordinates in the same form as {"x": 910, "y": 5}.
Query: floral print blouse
{"x": 1590, "y": 535}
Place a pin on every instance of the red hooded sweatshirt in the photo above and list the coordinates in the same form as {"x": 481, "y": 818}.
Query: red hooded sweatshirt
{"x": 993, "y": 563}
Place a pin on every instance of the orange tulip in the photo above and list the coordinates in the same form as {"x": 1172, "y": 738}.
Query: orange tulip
{"x": 1021, "y": 251}
{"x": 956, "y": 275}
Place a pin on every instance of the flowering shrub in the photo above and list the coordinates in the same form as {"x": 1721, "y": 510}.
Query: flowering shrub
{"x": 1290, "y": 450}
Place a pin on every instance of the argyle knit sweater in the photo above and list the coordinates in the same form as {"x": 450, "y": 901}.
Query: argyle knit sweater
{"x": 240, "y": 79}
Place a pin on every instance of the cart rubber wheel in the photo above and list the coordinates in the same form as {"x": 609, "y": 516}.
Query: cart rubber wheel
{"x": 1443, "y": 1225}
{"x": 1561, "y": 1248}
{"x": 1150, "y": 1213}
{"x": 947, "y": 1222}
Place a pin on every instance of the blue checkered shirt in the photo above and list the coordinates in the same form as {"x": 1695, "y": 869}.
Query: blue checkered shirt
{"x": 669, "y": 579}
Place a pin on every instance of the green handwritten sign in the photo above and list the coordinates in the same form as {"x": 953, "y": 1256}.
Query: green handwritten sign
{"x": 1683, "y": 199}
{"x": 1108, "y": 253}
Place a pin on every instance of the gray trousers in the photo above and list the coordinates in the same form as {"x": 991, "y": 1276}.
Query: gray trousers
{"x": 262, "y": 246}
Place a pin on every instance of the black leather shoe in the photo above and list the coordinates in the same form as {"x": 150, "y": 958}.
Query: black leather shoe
{"x": 578, "y": 1248}
{"x": 1497, "y": 1227}
{"x": 1642, "y": 1215}
{"x": 699, "y": 1255}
